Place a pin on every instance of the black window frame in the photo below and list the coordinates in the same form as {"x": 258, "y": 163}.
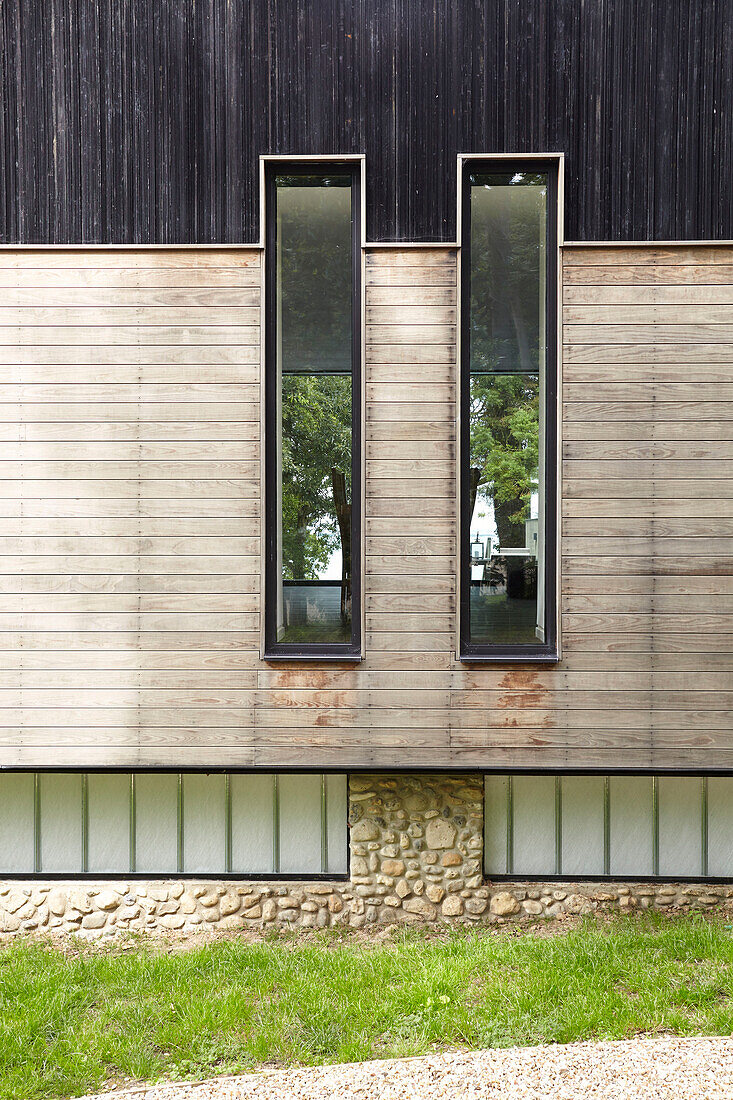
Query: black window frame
{"x": 311, "y": 651}
{"x": 547, "y": 651}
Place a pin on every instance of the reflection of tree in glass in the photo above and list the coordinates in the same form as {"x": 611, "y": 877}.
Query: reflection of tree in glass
{"x": 316, "y": 440}
{"x": 506, "y": 300}
{"x": 505, "y": 448}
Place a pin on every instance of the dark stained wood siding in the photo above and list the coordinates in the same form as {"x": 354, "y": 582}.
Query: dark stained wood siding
{"x": 142, "y": 120}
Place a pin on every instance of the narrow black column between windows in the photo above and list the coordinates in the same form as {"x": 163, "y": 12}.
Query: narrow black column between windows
{"x": 508, "y": 446}
{"x": 313, "y": 411}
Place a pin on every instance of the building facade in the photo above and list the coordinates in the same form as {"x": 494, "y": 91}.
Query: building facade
{"x": 367, "y": 539}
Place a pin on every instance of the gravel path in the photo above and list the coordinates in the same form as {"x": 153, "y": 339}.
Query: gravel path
{"x": 666, "y": 1069}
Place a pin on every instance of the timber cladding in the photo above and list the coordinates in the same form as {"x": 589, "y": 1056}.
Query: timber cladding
{"x": 130, "y": 555}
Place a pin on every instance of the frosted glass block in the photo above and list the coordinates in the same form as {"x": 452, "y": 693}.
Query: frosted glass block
{"x": 336, "y": 809}
{"x": 17, "y": 846}
{"x": 495, "y": 801}
{"x": 60, "y": 822}
{"x": 720, "y": 827}
{"x": 109, "y": 823}
{"x": 252, "y": 823}
{"x": 534, "y": 825}
{"x": 582, "y": 824}
{"x": 156, "y": 835}
{"x": 680, "y": 826}
{"x": 203, "y": 824}
{"x": 631, "y": 825}
{"x": 300, "y": 824}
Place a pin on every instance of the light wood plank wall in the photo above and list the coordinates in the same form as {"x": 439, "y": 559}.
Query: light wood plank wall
{"x": 130, "y": 555}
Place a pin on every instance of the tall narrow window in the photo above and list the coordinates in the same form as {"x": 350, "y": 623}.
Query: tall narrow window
{"x": 508, "y": 422}
{"x": 313, "y": 411}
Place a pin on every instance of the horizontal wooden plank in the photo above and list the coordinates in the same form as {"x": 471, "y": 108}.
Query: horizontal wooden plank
{"x": 695, "y": 564}
{"x": 90, "y": 355}
{"x": 410, "y": 257}
{"x": 634, "y": 603}
{"x": 677, "y": 294}
{"x": 245, "y": 409}
{"x": 76, "y": 279}
{"x": 638, "y": 351}
{"x": 56, "y": 294}
{"x": 406, "y": 372}
{"x": 404, "y": 603}
{"x": 131, "y": 508}
{"x": 646, "y": 487}
{"x": 653, "y": 392}
{"x": 95, "y": 471}
{"x": 416, "y": 354}
{"x": 706, "y": 314}
{"x": 682, "y": 469}
{"x": 421, "y": 335}
{"x": 135, "y": 333}
{"x": 134, "y": 544}
{"x": 73, "y": 374}
{"x": 397, "y": 507}
{"x": 653, "y": 450}
{"x": 56, "y": 319}
{"x": 113, "y": 585}
{"x": 662, "y": 584}
{"x": 410, "y": 526}
{"x": 131, "y": 432}
{"x": 109, "y": 256}
{"x": 226, "y": 658}
{"x": 415, "y": 545}
{"x": 244, "y": 453}
{"x": 142, "y": 487}
{"x": 121, "y": 641}
{"x": 83, "y": 621}
{"x": 638, "y": 274}
{"x": 139, "y": 393}
{"x": 655, "y": 527}
{"x": 676, "y": 255}
{"x": 406, "y": 316}
{"x": 62, "y": 563}
{"x": 405, "y": 469}
{"x": 644, "y": 508}
{"x": 405, "y": 585}
{"x": 442, "y": 452}
{"x": 431, "y": 276}
{"x": 409, "y": 563}
{"x": 409, "y": 295}
{"x": 168, "y": 527}
{"x": 657, "y": 334}
{"x": 416, "y": 487}
{"x": 633, "y": 546}
{"x": 644, "y": 374}
{"x": 693, "y": 430}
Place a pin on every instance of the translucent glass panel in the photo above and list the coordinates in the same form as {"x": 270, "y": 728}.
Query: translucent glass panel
{"x": 164, "y": 824}
{"x": 311, "y": 359}
{"x": 506, "y": 414}
{"x": 17, "y": 835}
{"x": 720, "y": 827}
{"x": 108, "y": 842}
{"x": 625, "y": 826}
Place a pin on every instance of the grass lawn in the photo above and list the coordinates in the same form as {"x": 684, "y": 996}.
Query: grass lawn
{"x": 75, "y": 1018}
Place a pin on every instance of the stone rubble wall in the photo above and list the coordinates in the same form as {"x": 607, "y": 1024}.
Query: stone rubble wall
{"x": 416, "y": 855}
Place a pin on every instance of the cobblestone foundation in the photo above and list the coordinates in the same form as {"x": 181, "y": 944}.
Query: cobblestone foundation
{"x": 416, "y": 853}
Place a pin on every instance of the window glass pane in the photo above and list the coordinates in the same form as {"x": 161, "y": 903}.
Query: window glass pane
{"x": 314, "y": 297}
{"x": 506, "y": 415}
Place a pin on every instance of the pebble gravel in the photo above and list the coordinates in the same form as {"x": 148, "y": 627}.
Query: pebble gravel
{"x": 663, "y": 1068}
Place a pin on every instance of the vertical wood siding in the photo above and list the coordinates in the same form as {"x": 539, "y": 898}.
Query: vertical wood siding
{"x": 142, "y": 120}
{"x": 130, "y": 548}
